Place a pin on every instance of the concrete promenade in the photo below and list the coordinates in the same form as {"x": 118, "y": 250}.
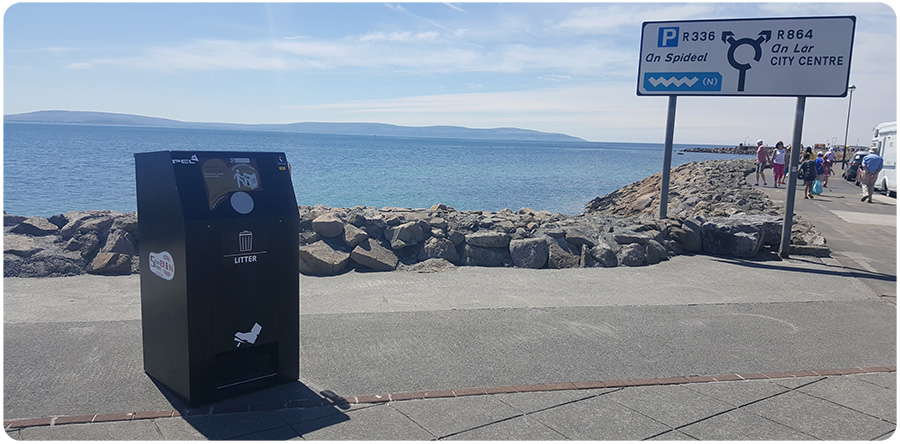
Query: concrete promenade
{"x": 697, "y": 347}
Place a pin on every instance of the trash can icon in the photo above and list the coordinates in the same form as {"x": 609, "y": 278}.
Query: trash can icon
{"x": 246, "y": 240}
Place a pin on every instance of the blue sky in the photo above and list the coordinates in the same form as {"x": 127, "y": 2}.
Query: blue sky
{"x": 568, "y": 68}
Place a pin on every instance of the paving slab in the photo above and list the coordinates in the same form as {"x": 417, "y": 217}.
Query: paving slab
{"x": 886, "y": 380}
{"x": 673, "y": 435}
{"x": 127, "y": 431}
{"x": 178, "y": 429}
{"x": 600, "y": 419}
{"x": 741, "y": 425}
{"x": 792, "y": 383}
{"x": 379, "y": 423}
{"x": 536, "y": 401}
{"x": 820, "y": 418}
{"x": 298, "y": 415}
{"x": 738, "y": 394}
{"x": 444, "y": 417}
{"x": 520, "y": 428}
{"x": 234, "y": 425}
{"x": 666, "y": 404}
{"x": 856, "y": 394}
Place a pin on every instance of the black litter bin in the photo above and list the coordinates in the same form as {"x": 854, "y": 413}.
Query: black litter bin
{"x": 218, "y": 235}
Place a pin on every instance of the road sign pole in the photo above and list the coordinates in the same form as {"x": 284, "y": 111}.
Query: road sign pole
{"x": 667, "y": 158}
{"x": 796, "y": 148}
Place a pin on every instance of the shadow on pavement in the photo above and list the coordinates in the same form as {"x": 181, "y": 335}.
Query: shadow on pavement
{"x": 825, "y": 269}
{"x": 281, "y": 412}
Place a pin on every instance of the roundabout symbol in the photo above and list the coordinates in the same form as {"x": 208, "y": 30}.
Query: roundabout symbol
{"x": 728, "y": 37}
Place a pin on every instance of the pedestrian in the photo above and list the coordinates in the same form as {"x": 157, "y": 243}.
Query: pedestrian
{"x": 787, "y": 164}
{"x": 870, "y": 167}
{"x": 778, "y": 163}
{"x": 829, "y": 165}
{"x": 807, "y": 172}
{"x": 762, "y": 158}
{"x": 820, "y": 167}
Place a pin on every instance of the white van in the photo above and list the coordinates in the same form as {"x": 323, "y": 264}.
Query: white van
{"x": 885, "y": 140}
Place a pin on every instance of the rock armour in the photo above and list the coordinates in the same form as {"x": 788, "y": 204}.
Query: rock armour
{"x": 712, "y": 210}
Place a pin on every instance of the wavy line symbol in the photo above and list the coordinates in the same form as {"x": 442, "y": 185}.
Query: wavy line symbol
{"x": 688, "y": 82}
{"x": 669, "y": 81}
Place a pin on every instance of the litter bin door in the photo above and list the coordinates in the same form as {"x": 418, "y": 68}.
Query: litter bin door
{"x": 245, "y": 305}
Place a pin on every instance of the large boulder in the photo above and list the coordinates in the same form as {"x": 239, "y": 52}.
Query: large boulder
{"x": 486, "y": 257}
{"x": 354, "y": 235}
{"x": 488, "y": 239}
{"x": 604, "y": 256}
{"x": 328, "y": 225}
{"x": 632, "y": 255}
{"x": 769, "y": 226}
{"x": 11, "y": 220}
{"x": 529, "y": 253}
{"x": 439, "y": 248}
{"x": 578, "y": 236}
{"x": 688, "y": 237}
{"x": 86, "y": 244}
{"x": 35, "y": 226}
{"x": 560, "y": 255}
{"x": 319, "y": 259}
{"x": 407, "y": 235}
{"x": 120, "y": 241}
{"x": 655, "y": 252}
{"x": 22, "y": 246}
{"x": 111, "y": 264}
{"x": 78, "y": 222}
{"x": 631, "y": 237}
{"x": 731, "y": 236}
{"x": 371, "y": 254}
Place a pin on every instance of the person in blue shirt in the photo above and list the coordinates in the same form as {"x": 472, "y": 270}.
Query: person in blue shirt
{"x": 820, "y": 167}
{"x": 870, "y": 167}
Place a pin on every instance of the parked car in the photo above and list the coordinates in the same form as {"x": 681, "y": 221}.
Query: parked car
{"x": 853, "y": 168}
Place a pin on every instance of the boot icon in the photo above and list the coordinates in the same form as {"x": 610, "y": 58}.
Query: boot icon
{"x": 249, "y": 337}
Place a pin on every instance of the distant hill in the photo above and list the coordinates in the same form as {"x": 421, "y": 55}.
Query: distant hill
{"x": 365, "y": 129}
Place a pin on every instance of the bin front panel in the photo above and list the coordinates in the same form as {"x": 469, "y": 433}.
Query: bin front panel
{"x": 246, "y": 302}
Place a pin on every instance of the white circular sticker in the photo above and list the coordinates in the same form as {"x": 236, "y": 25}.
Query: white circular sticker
{"x": 242, "y": 202}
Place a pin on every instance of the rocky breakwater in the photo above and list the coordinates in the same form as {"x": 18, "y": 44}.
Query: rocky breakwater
{"x": 77, "y": 242}
{"x": 712, "y": 209}
{"x": 734, "y": 219}
{"x": 333, "y": 239}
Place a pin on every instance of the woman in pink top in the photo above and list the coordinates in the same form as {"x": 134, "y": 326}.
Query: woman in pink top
{"x": 778, "y": 163}
{"x": 762, "y": 158}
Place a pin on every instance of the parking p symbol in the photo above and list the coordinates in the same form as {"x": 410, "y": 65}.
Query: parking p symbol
{"x": 668, "y": 37}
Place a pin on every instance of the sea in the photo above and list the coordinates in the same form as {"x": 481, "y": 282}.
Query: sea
{"x": 50, "y": 169}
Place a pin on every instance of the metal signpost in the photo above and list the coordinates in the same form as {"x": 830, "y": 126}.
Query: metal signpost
{"x": 794, "y": 57}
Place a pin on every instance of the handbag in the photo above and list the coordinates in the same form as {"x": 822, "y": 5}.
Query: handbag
{"x": 817, "y": 187}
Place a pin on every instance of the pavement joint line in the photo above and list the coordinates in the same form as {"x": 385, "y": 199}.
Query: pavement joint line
{"x": 736, "y": 408}
{"x": 54, "y": 420}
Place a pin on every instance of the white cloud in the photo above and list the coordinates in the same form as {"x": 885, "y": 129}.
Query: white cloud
{"x": 391, "y": 51}
{"x": 609, "y": 19}
{"x": 452, "y": 6}
{"x": 405, "y": 37}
